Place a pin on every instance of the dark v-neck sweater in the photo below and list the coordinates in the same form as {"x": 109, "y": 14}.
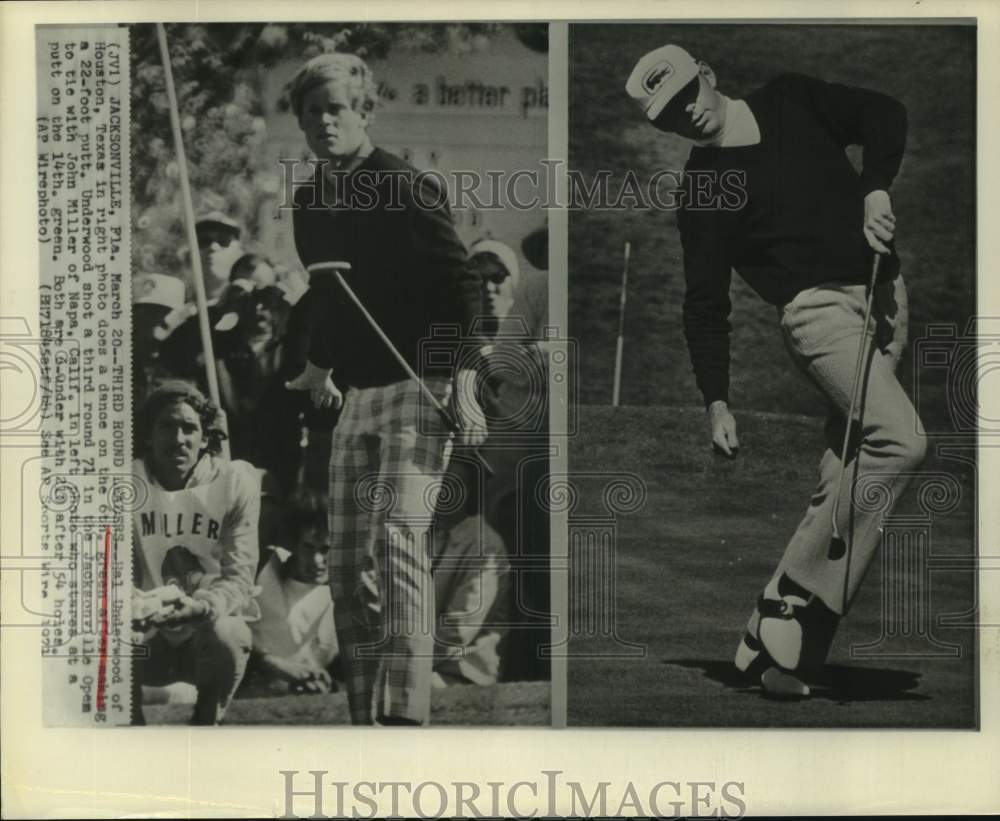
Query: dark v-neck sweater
{"x": 408, "y": 268}
{"x": 800, "y": 222}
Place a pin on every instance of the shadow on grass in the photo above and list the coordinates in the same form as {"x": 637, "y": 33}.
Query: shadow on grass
{"x": 839, "y": 684}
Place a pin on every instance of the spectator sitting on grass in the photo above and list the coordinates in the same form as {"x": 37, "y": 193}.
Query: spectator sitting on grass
{"x": 472, "y": 590}
{"x": 294, "y": 642}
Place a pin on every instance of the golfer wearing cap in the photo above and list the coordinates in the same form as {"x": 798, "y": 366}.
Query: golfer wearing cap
{"x": 802, "y": 233}
{"x": 402, "y": 260}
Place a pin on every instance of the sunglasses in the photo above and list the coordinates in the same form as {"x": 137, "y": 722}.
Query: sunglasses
{"x": 676, "y": 110}
{"x": 490, "y": 268}
{"x": 223, "y": 238}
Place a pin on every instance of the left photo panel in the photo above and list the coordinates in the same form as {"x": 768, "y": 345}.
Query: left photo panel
{"x": 294, "y": 410}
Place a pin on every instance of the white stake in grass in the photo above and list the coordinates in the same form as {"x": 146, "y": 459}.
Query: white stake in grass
{"x": 616, "y": 393}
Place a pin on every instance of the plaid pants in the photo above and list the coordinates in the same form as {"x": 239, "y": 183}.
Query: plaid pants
{"x": 389, "y": 452}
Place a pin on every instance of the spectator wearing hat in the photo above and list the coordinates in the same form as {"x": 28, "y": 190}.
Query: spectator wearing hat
{"x": 219, "y": 246}
{"x": 471, "y": 564}
{"x": 513, "y": 390}
{"x": 155, "y": 297}
{"x": 497, "y": 265}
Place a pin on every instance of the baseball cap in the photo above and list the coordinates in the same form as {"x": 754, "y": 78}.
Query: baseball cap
{"x": 216, "y": 222}
{"x": 157, "y": 289}
{"x": 217, "y": 218}
{"x": 659, "y": 76}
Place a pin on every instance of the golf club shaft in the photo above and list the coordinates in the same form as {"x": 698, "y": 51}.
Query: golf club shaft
{"x": 858, "y": 378}
{"x": 452, "y": 424}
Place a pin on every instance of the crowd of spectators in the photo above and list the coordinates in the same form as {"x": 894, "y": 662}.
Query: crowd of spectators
{"x": 293, "y": 645}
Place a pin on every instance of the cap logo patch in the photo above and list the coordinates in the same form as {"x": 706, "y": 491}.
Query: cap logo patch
{"x": 657, "y": 76}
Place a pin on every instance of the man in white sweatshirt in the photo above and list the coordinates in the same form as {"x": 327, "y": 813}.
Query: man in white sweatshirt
{"x": 195, "y": 543}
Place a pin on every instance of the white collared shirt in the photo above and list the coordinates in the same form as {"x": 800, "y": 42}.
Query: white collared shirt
{"x": 739, "y": 129}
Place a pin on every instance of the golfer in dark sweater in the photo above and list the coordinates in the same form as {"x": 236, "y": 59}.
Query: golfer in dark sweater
{"x": 373, "y": 212}
{"x": 770, "y": 192}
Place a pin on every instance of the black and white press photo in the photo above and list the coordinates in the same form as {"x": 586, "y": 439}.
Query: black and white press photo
{"x": 606, "y": 395}
{"x": 772, "y": 270}
{"x": 339, "y": 392}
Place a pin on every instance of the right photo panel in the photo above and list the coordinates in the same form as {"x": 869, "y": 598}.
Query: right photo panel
{"x": 772, "y": 288}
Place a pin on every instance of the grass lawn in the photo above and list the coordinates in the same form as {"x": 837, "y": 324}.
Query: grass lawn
{"x": 690, "y": 563}
{"x": 511, "y": 704}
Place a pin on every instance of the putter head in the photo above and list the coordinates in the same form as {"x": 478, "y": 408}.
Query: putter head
{"x": 332, "y": 265}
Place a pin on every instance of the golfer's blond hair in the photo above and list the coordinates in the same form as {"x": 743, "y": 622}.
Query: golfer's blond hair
{"x": 347, "y": 69}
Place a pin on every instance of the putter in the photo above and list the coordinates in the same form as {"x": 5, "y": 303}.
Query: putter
{"x": 838, "y": 545}
{"x": 336, "y": 268}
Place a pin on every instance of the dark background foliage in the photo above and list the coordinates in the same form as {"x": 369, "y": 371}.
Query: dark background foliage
{"x": 217, "y": 70}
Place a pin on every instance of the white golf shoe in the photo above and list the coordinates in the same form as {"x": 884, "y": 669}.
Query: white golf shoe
{"x": 753, "y": 660}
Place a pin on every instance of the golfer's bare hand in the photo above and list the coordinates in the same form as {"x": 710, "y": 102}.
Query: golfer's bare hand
{"x": 880, "y": 222}
{"x": 471, "y": 419}
{"x": 319, "y": 383}
{"x": 723, "y": 428}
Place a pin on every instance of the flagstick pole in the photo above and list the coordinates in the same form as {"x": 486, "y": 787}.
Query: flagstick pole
{"x": 192, "y": 233}
{"x": 616, "y": 390}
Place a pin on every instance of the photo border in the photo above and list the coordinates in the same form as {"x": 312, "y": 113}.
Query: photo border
{"x": 234, "y": 771}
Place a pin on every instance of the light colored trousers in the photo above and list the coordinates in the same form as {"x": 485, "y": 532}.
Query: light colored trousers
{"x": 823, "y": 327}
{"x": 472, "y": 592}
{"x": 388, "y": 455}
